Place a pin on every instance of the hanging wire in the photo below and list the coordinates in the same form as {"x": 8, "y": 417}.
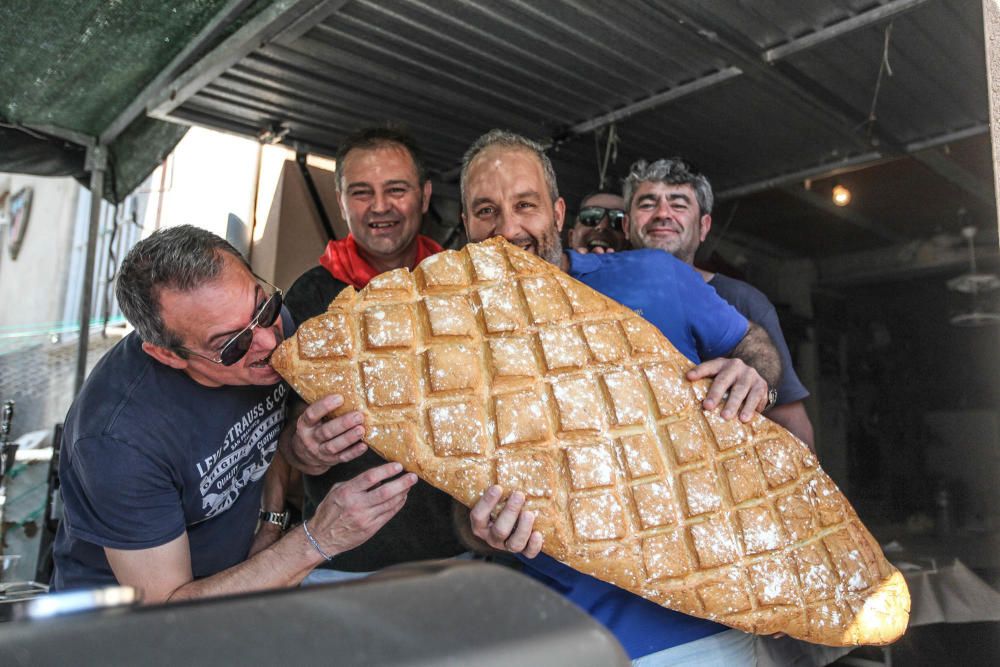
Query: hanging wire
{"x": 610, "y": 153}
{"x": 110, "y": 272}
{"x": 883, "y": 69}
{"x": 717, "y": 237}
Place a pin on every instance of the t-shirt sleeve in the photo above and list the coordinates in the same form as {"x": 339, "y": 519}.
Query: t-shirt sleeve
{"x": 716, "y": 326}
{"x": 758, "y": 308}
{"x": 124, "y": 499}
{"x": 790, "y": 388}
{"x": 310, "y": 294}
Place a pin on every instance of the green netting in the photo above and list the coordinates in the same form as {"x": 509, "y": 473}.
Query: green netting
{"x": 77, "y": 65}
{"x": 136, "y": 152}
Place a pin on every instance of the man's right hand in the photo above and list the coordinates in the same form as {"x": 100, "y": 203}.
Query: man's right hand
{"x": 314, "y": 445}
{"x": 353, "y": 511}
{"x": 512, "y": 529}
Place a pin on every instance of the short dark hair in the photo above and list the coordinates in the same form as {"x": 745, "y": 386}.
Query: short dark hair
{"x": 370, "y": 138}
{"x": 179, "y": 258}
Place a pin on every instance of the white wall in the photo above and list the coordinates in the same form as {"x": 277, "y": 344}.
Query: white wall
{"x": 32, "y": 287}
{"x": 209, "y": 176}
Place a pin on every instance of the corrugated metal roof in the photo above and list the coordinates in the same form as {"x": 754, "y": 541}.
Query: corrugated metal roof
{"x": 796, "y": 82}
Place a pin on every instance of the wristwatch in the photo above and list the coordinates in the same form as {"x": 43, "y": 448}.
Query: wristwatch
{"x": 279, "y": 519}
{"x": 772, "y": 398}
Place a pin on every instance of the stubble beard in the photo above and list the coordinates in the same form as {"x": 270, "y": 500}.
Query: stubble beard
{"x": 550, "y": 248}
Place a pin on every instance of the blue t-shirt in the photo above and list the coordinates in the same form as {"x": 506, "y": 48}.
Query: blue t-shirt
{"x": 148, "y": 453}
{"x": 757, "y": 308}
{"x": 675, "y": 298}
{"x": 669, "y": 294}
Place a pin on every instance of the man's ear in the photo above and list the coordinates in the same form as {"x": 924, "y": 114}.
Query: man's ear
{"x": 165, "y": 356}
{"x": 706, "y": 226}
{"x": 427, "y": 195}
{"x": 625, "y": 224}
{"x": 573, "y": 237}
{"x": 560, "y": 213}
{"x": 343, "y": 208}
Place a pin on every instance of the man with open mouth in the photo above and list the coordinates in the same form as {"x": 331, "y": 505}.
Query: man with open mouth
{"x": 165, "y": 450}
{"x": 599, "y": 223}
{"x": 383, "y": 192}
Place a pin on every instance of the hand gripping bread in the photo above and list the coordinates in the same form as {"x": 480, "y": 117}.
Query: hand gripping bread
{"x": 490, "y": 365}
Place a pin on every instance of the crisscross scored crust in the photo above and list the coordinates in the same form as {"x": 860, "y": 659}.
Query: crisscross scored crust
{"x": 489, "y": 365}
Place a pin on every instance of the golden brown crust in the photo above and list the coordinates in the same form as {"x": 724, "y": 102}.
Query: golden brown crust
{"x": 490, "y": 365}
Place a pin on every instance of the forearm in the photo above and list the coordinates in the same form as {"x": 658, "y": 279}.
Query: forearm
{"x": 276, "y": 484}
{"x": 793, "y": 417}
{"x": 284, "y": 564}
{"x": 757, "y": 351}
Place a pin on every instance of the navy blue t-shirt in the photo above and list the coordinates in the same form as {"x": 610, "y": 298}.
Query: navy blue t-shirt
{"x": 148, "y": 453}
{"x": 675, "y": 298}
{"x": 758, "y": 308}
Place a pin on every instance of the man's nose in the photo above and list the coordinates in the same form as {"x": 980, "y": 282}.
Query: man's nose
{"x": 506, "y": 226}
{"x": 380, "y": 203}
{"x": 266, "y": 337}
{"x": 663, "y": 210}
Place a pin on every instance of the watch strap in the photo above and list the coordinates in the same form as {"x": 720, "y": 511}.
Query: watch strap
{"x": 279, "y": 519}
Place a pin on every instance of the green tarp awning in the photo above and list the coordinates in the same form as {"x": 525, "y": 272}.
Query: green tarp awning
{"x": 73, "y": 67}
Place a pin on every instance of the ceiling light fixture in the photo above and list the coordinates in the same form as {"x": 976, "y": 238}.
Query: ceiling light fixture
{"x": 974, "y": 283}
{"x": 841, "y": 195}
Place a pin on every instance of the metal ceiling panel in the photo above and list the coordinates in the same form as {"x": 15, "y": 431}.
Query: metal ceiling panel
{"x": 938, "y": 75}
{"x": 757, "y": 94}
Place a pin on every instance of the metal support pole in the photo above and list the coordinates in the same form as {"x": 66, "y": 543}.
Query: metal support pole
{"x": 991, "y": 29}
{"x": 97, "y": 162}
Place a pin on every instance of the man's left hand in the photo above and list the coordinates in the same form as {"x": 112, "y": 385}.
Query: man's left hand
{"x": 746, "y": 389}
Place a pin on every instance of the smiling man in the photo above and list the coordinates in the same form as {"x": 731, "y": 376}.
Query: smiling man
{"x": 669, "y": 205}
{"x": 383, "y": 193}
{"x": 599, "y": 223}
{"x": 165, "y": 449}
{"x": 509, "y": 189}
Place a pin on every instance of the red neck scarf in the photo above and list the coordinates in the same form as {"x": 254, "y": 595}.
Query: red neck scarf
{"x": 342, "y": 260}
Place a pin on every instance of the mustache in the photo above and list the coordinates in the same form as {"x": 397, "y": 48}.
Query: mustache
{"x": 661, "y": 225}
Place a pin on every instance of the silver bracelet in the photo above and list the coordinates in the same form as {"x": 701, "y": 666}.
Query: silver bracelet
{"x": 314, "y": 542}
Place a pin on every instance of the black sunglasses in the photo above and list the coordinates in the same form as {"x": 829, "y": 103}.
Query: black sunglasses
{"x": 591, "y": 216}
{"x": 237, "y": 347}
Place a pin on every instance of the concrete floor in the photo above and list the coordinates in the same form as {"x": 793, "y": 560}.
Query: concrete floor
{"x": 939, "y": 645}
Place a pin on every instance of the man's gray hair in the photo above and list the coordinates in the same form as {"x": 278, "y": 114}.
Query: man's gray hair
{"x": 177, "y": 258}
{"x": 507, "y": 139}
{"x": 672, "y": 171}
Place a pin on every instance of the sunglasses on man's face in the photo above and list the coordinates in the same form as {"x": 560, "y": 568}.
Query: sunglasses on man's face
{"x": 237, "y": 347}
{"x": 591, "y": 216}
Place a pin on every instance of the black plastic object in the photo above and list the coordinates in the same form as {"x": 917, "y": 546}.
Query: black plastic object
{"x": 435, "y": 613}
{"x": 8, "y": 449}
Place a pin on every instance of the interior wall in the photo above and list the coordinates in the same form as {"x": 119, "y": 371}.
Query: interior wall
{"x": 906, "y": 377}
